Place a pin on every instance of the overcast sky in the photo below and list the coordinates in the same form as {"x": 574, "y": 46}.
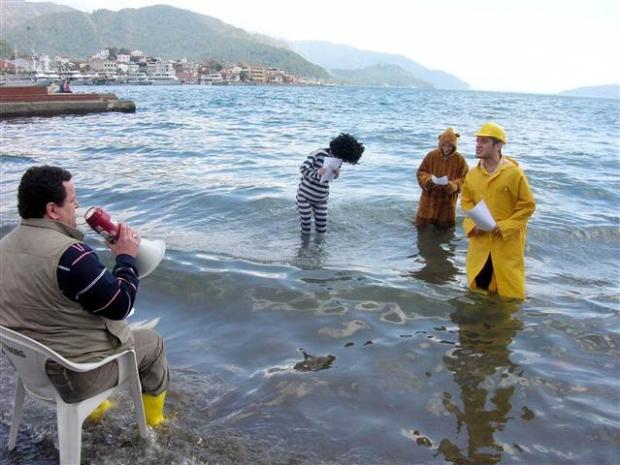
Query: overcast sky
{"x": 512, "y": 45}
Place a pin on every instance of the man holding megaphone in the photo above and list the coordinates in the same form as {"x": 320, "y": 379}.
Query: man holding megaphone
{"x": 55, "y": 290}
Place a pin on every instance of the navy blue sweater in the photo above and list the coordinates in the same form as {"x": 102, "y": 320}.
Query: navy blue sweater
{"x": 84, "y": 279}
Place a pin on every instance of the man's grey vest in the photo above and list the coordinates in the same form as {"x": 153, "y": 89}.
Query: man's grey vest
{"x": 32, "y": 303}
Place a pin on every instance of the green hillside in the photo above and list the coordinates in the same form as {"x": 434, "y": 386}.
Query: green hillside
{"x": 161, "y": 31}
{"x": 380, "y": 75}
{"x": 5, "y": 49}
{"x": 15, "y": 12}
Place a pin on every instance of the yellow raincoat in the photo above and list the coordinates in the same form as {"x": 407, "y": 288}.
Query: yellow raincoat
{"x": 509, "y": 198}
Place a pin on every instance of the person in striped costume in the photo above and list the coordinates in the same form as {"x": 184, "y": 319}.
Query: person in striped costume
{"x": 313, "y": 191}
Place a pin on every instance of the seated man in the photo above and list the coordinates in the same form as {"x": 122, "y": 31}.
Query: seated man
{"x": 55, "y": 290}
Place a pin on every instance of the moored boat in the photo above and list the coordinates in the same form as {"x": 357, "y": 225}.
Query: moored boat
{"x": 164, "y": 80}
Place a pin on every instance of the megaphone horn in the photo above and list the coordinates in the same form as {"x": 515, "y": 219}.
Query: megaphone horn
{"x": 149, "y": 255}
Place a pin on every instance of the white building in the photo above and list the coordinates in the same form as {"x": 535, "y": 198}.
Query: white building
{"x": 62, "y": 61}
{"x": 102, "y": 65}
{"x": 136, "y": 55}
{"x": 44, "y": 63}
{"x": 103, "y": 54}
{"x": 211, "y": 78}
{"x": 156, "y": 67}
{"x": 133, "y": 69}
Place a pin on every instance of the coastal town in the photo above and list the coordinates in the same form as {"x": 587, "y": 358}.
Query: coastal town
{"x": 112, "y": 66}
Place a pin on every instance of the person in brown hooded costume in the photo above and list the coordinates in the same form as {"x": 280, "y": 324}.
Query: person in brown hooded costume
{"x": 438, "y": 198}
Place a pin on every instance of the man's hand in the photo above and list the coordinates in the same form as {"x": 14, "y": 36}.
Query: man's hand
{"x": 478, "y": 232}
{"x": 321, "y": 170}
{"x": 128, "y": 242}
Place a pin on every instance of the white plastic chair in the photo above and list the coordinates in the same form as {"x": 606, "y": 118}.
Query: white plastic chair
{"x": 28, "y": 357}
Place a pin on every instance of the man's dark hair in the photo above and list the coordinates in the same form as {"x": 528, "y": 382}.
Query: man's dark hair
{"x": 40, "y": 185}
{"x": 347, "y": 148}
{"x": 497, "y": 141}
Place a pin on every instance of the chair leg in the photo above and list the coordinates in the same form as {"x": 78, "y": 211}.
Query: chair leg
{"x": 69, "y": 434}
{"x": 136, "y": 395}
{"x": 18, "y": 412}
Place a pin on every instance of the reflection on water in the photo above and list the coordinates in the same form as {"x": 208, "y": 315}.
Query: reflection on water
{"x": 436, "y": 248}
{"x": 485, "y": 374}
{"x": 312, "y": 252}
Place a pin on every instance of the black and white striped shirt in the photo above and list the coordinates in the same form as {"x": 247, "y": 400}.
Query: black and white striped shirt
{"x": 310, "y": 185}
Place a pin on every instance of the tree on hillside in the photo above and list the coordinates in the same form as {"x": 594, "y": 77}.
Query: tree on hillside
{"x": 113, "y": 52}
{"x": 5, "y": 49}
{"x": 211, "y": 66}
{"x": 116, "y": 51}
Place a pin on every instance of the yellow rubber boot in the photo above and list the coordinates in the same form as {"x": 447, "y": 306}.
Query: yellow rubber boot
{"x": 154, "y": 408}
{"x": 97, "y": 414}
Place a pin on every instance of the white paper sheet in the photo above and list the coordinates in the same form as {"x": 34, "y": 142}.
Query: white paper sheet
{"x": 442, "y": 181}
{"x": 144, "y": 324}
{"x": 330, "y": 164}
{"x": 481, "y": 215}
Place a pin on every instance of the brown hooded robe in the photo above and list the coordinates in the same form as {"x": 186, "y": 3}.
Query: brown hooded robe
{"x": 438, "y": 203}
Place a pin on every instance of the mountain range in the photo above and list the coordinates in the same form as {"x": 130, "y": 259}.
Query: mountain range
{"x": 605, "y": 91}
{"x": 344, "y": 57}
{"x": 173, "y": 33}
{"x": 15, "y": 12}
{"x": 380, "y": 75}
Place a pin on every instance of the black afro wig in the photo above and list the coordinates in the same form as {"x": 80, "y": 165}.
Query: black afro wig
{"x": 347, "y": 148}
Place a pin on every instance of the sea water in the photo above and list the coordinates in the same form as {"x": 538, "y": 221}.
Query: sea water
{"x": 424, "y": 372}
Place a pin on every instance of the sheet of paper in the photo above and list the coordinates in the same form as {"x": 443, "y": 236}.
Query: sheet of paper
{"x": 330, "y": 164}
{"x": 442, "y": 181}
{"x": 481, "y": 215}
{"x": 148, "y": 324}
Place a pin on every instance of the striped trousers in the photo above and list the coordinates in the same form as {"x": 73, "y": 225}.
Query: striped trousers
{"x": 306, "y": 209}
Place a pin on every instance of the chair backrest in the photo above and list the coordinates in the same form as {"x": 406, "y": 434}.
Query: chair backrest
{"x": 28, "y": 357}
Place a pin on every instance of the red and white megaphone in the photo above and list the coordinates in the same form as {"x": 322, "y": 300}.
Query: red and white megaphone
{"x": 150, "y": 252}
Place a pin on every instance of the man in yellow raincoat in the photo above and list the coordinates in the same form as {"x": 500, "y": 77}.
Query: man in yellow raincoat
{"x": 496, "y": 259}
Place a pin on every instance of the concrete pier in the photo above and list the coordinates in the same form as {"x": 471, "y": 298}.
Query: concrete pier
{"x": 35, "y": 101}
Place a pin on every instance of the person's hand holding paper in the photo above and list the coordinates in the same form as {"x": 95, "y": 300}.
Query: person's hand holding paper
{"x": 331, "y": 167}
{"x": 481, "y": 215}
{"x": 442, "y": 181}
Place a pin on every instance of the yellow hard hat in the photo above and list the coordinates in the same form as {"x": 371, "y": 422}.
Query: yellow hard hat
{"x": 491, "y": 129}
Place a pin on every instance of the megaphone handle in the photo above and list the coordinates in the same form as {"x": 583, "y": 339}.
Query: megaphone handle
{"x": 127, "y": 241}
